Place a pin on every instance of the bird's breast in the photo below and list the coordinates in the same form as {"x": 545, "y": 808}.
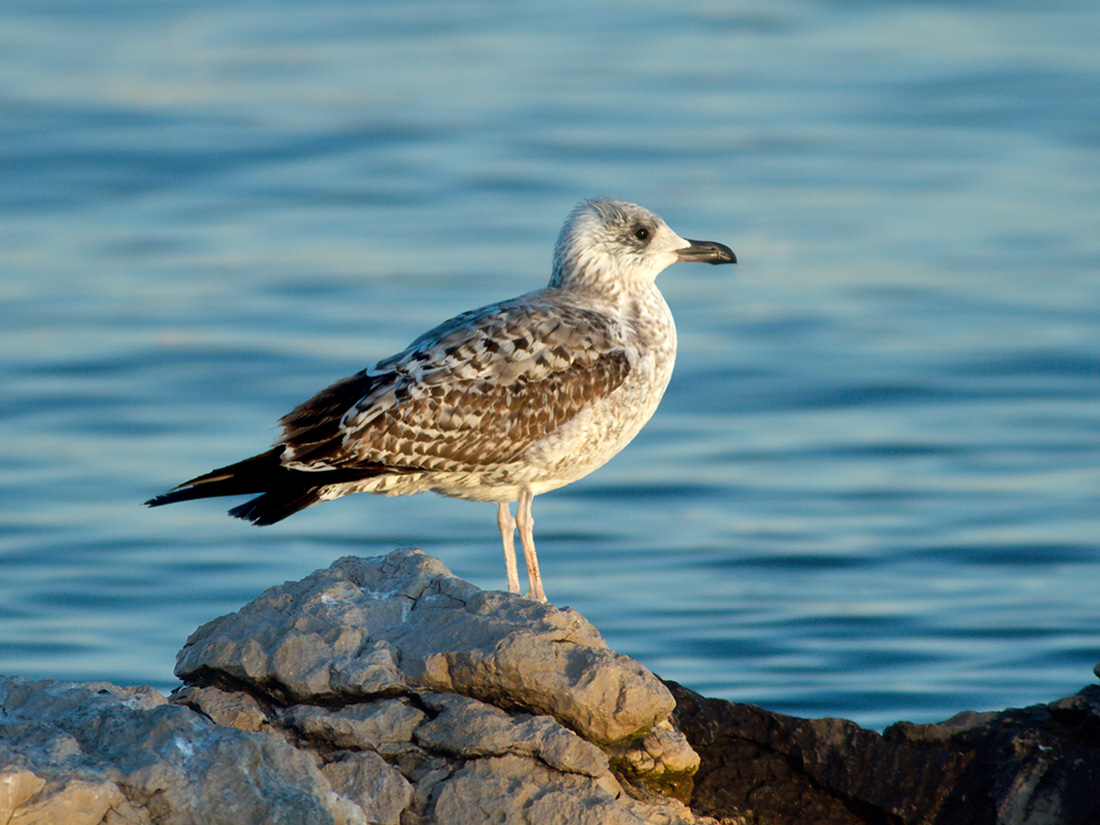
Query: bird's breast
{"x": 608, "y": 424}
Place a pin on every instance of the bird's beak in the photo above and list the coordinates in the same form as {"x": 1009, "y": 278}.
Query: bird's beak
{"x": 710, "y": 252}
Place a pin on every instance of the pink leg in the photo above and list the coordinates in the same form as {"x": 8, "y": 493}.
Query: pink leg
{"x": 507, "y": 526}
{"x": 526, "y": 524}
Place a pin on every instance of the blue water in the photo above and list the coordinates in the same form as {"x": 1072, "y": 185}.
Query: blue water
{"x": 873, "y": 487}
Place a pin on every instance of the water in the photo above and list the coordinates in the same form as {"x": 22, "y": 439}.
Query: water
{"x": 873, "y": 487}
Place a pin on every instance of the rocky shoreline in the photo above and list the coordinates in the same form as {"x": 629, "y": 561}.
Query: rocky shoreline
{"x": 386, "y": 690}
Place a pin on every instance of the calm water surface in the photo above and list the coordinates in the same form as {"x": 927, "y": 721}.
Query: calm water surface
{"x": 873, "y": 487}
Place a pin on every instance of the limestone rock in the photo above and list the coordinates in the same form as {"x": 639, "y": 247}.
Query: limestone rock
{"x": 430, "y": 701}
{"x": 379, "y": 690}
{"x": 371, "y": 725}
{"x": 513, "y": 789}
{"x": 234, "y": 710}
{"x": 387, "y": 691}
{"x": 469, "y": 728}
{"x": 662, "y": 761}
{"x": 366, "y": 779}
{"x": 367, "y": 627}
{"x": 77, "y": 802}
{"x": 17, "y": 787}
{"x": 78, "y": 752}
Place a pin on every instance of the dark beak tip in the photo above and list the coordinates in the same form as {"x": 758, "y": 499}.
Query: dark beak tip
{"x": 710, "y": 252}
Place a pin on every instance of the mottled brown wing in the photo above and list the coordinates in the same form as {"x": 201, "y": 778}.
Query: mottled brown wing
{"x": 479, "y": 424}
{"x": 470, "y": 396}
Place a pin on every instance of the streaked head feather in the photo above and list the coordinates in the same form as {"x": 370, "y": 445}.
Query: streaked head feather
{"x": 607, "y": 243}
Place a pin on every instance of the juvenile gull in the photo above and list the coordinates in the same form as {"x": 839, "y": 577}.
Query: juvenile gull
{"x": 497, "y": 404}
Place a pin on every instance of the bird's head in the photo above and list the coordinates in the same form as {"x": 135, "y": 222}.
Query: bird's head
{"x": 607, "y": 242}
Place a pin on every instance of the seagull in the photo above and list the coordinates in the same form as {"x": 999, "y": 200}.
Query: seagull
{"x": 498, "y": 404}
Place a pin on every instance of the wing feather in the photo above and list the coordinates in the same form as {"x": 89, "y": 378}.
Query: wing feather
{"x": 477, "y": 391}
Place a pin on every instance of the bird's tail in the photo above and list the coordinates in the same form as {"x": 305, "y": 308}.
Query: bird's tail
{"x": 285, "y": 491}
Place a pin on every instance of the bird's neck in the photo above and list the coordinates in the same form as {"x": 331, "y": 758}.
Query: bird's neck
{"x": 638, "y": 305}
{"x": 591, "y": 268}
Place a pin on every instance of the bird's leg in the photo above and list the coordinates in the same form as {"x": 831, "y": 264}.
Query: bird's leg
{"x": 507, "y": 526}
{"x": 526, "y": 525}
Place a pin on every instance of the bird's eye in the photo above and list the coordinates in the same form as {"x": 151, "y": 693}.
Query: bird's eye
{"x": 641, "y": 233}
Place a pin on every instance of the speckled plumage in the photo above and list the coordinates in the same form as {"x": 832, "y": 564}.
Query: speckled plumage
{"x": 500, "y": 403}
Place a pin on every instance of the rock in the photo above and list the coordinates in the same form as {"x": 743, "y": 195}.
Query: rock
{"x": 369, "y": 627}
{"x": 243, "y": 746}
{"x": 511, "y": 789}
{"x": 234, "y": 710}
{"x": 366, "y": 779}
{"x": 366, "y": 726}
{"x": 662, "y": 761}
{"x": 74, "y": 754}
{"x": 469, "y": 728}
{"x": 77, "y": 802}
{"x": 387, "y": 691}
{"x": 17, "y": 787}
{"x": 427, "y": 700}
{"x": 1033, "y": 766}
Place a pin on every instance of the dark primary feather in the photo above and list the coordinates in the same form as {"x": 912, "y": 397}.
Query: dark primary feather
{"x": 253, "y": 475}
{"x": 312, "y": 429}
{"x": 285, "y": 491}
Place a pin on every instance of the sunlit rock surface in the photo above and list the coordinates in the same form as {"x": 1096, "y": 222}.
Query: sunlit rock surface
{"x": 386, "y": 690}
